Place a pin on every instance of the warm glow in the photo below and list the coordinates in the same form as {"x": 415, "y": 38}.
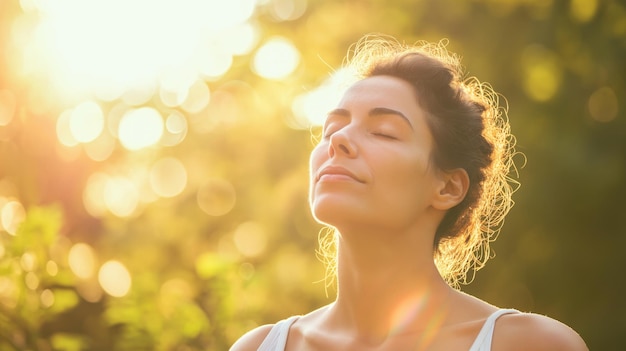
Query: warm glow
{"x": 583, "y": 10}
{"x": 93, "y": 194}
{"x": 47, "y": 298}
{"x": 31, "y": 280}
{"x": 542, "y": 73}
{"x": 64, "y": 132}
{"x": 28, "y": 261}
{"x": 140, "y": 128}
{"x": 7, "y": 107}
{"x": 121, "y": 197}
{"x": 86, "y": 122}
{"x": 168, "y": 177}
{"x": 82, "y": 260}
{"x": 114, "y": 278}
{"x": 250, "y": 239}
{"x": 101, "y": 148}
{"x": 217, "y": 197}
{"x": 52, "y": 268}
{"x": 276, "y": 59}
{"x": 175, "y": 129}
{"x": 310, "y": 109}
{"x": 198, "y": 97}
{"x": 287, "y": 10}
{"x": 12, "y": 214}
{"x": 106, "y": 47}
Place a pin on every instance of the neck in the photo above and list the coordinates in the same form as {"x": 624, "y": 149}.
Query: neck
{"x": 389, "y": 287}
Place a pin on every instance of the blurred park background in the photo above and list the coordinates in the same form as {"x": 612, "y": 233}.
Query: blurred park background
{"x": 153, "y": 161}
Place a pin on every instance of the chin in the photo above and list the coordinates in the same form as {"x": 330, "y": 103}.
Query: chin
{"x": 334, "y": 211}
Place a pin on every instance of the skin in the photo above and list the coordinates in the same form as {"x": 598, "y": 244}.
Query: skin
{"x": 372, "y": 179}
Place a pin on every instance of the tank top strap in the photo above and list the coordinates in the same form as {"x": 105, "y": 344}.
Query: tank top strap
{"x": 485, "y": 336}
{"x": 276, "y": 339}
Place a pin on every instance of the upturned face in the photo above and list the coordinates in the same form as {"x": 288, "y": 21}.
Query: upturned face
{"x": 372, "y": 167}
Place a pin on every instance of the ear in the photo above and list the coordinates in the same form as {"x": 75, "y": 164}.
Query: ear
{"x": 452, "y": 188}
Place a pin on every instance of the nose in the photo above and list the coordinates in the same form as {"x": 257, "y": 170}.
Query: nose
{"x": 341, "y": 144}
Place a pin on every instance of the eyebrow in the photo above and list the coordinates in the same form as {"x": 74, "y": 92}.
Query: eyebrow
{"x": 376, "y": 111}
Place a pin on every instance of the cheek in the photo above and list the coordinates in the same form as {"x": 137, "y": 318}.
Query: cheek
{"x": 318, "y": 156}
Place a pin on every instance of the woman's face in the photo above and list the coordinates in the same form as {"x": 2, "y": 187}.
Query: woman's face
{"x": 372, "y": 166}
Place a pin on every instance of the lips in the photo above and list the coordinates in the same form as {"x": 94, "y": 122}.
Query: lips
{"x": 336, "y": 173}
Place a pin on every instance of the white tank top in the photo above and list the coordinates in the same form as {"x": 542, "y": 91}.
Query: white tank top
{"x": 277, "y": 337}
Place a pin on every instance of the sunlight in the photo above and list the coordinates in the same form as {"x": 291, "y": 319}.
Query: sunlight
{"x": 114, "y": 278}
{"x": 85, "y": 54}
{"x": 310, "y": 109}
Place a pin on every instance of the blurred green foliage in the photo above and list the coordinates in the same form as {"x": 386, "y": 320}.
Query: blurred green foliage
{"x": 561, "y": 66}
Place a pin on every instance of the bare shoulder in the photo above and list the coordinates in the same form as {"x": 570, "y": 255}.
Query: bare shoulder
{"x": 529, "y": 331}
{"x": 251, "y": 340}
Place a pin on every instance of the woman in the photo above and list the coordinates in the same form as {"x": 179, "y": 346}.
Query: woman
{"x": 411, "y": 173}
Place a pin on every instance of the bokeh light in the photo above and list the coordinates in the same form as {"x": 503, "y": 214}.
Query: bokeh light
{"x": 168, "y": 177}
{"x": 101, "y": 148}
{"x": 82, "y": 260}
{"x": 276, "y": 59}
{"x": 217, "y": 197}
{"x": 176, "y": 129}
{"x": 12, "y": 214}
{"x": 52, "y": 268}
{"x": 7, "y": 106}
{"x": 287, "y": 10}
{"x": 121, "y": 196}
{"x": 198, "y": 97}
{"x": 583, "y": 10}
{"x": 86, "y": 121}
{"x": 542, "y": 72}
{"x": 63, "y": 130}
{"x": 140, "y": 128}
{"x": 93, "y": 194}
{"x": 603, "y": 105}
{"x": 250, "y": 239}
{"x": 47, "y": 298}
{"x": 28, "y": 261}
{"x": 9, "y": 292}
{"x": 114, "y": 278}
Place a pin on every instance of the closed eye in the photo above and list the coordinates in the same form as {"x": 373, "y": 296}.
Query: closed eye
{"x": 385, "y": 135}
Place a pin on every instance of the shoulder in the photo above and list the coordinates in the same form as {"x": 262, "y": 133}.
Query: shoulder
{"x": 251, "y": 340}
{"x": 524, "y": 331}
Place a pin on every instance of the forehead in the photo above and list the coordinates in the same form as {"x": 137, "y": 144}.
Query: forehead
{"x": 382, "y": 91}
{"x": 388, "y": 93}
